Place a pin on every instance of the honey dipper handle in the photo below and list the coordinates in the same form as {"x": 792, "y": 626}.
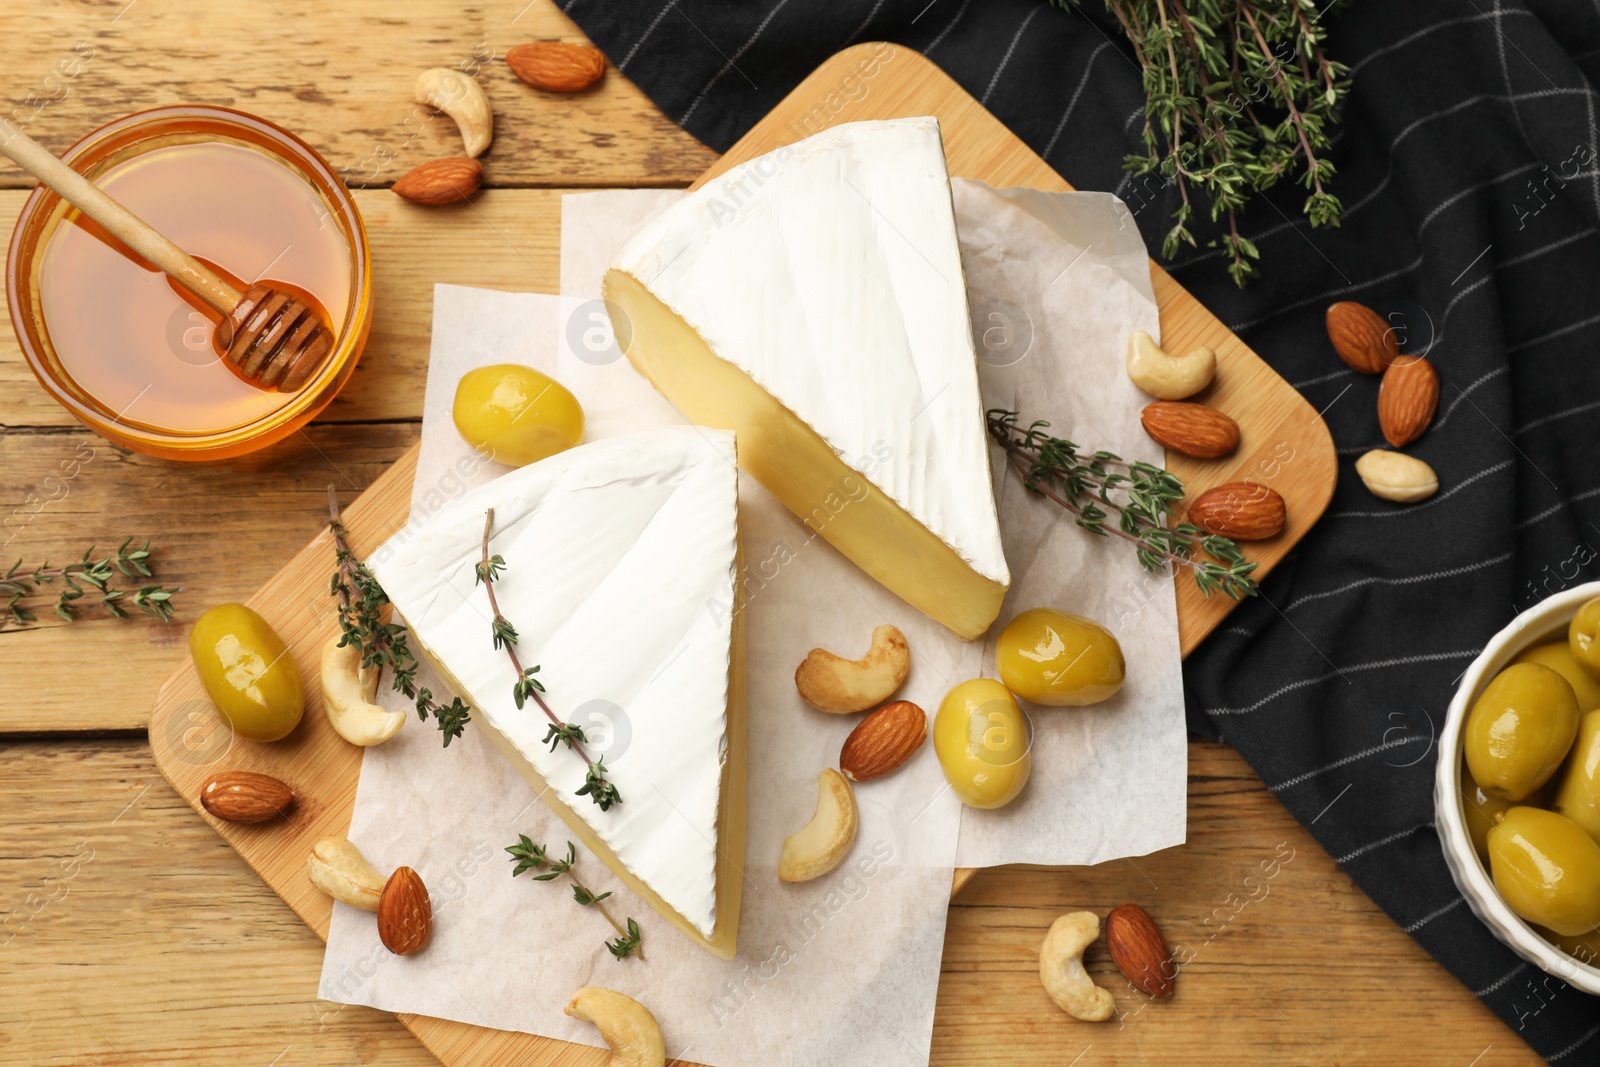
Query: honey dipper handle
{"x": 117, "y": 220}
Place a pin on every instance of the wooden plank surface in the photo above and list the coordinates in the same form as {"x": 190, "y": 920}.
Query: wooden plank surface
{"x": 340, "y": 76}
{"x": 157, "y": 945}
{"x": 165, "y": 948}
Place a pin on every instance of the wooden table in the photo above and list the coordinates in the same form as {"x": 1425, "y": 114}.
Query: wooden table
{"x": 131, "y": 934}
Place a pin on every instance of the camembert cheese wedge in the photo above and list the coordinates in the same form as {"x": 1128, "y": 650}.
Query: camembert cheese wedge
{"x": 621, "y": 572}
{"x": 813, "y": 301}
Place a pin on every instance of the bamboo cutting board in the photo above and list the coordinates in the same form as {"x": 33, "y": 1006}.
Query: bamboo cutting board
{"x": 1285, "y": 445}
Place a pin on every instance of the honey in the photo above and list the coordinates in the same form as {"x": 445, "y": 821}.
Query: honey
{"x": 138, "y": 344}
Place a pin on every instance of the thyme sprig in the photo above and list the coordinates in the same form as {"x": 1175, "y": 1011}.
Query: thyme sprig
{"x": 595, "y": 785}
{"x": 1053, "y": 468}
{"x": 531, "y": 857}
{"x": 383, "y": 644}
{"x": 1239, "y": 95}
{"x": 73, "y": 581}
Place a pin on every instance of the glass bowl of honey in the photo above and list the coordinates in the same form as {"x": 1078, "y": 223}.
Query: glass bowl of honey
{"x": 134, "y": 355}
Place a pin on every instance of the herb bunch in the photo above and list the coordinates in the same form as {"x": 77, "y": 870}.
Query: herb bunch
{"x": 1053, "y": 468}
{"x": 527, "y": 686}
{"x": 73, "y": 581}
{"x": 1239, "y": 95}
{"x": 383, "y": 644}
{"x": 531, "y": 857}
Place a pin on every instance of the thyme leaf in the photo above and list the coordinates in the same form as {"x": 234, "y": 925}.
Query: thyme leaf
{"x": 528, "y": 856}
{"x": 595, "y": 785}
{"x": 1143, "y": 496}
{"x": 1239, "y": 95}
{"x": 384, "y": 645}
{"x": 74, "y": 581}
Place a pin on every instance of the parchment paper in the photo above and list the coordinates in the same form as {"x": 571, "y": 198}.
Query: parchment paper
{"x": 508, "y": 953}
{"x": 843, "y": 969}
{"x": 1056, "y": 282}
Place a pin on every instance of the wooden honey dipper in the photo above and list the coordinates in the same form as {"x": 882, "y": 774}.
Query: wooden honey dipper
{"x": 275, "y": 339}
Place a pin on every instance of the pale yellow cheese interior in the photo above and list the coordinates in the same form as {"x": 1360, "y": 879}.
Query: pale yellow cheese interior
{"x": 800, "y": 468}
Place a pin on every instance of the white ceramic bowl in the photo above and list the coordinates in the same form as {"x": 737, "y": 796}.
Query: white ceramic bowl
{"x": 1538, "y": 624}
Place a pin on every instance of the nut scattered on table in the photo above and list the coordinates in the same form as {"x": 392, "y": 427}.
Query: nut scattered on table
{"x": 1396, "y": 476}
{"x": 1361, "y": 337}
{"x": 626, "y": 1026}
{"x": 1168, "y": 377}
{"x": 831, "y": 683}
{"x": 1140, "y": 951}
{"x": 1407, "y": 399}
{"x": 1061, "y": 968}
{"x": 1244, "y": 511}
{"x": 1191, "y": 429}
{"x": 883, "y": 741}
{"x": 348, "y": 695}
{"x": 338, "y": 868}
{"x": 405, "y": 914}
{"x": 816, "y": 848}
{"x": 440, "y": 181}
{"x": 463, "y": 100}
{"x": 557, "y": 66}
{"x": 246, "y": 797}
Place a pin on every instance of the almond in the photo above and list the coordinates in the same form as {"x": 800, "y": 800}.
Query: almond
{"x": 405, "y": 914}
{"x": 440, "y": 181}
{"x": 1139, "y": 950}
{"x": 1192, "y": 429}
{"x": 245, "y": 796}
{"x": 1397, "y": 476}
{"x": 883, "y": 741}
{"x": 556, "y": 65}
{"x": 1244, "y": 511}
{"x": 1407, "y": 399}
{"x": 1361, "y": 337}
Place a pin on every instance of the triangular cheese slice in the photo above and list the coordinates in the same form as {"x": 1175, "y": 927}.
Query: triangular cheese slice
{"x": 622, "y": 570}
{"x": 813, "y": 301}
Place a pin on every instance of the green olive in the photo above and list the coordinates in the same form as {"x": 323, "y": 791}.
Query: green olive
{"x": 983, "y": 743}
{"x": 1578, "y": 789}
{"x": 1057, "y": 659}
{"x": 515, "y": 415}
{"x": 248, "y": 672}
{"x": 1547, "y": 869}
{"x": 1583, "y": 636}
{"x": 1520, "y": 729}
{"x": 1557, "y": 655}
{"x": 1480, "y": 811}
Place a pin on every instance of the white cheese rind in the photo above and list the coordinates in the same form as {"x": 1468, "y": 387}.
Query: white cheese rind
{"x": 829, "y": 272}
{"x": 621, "y": 569}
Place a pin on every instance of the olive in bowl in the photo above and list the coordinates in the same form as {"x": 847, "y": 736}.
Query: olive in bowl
{"x": 1520, "y": 730}
{"x": 1520, "y": 837}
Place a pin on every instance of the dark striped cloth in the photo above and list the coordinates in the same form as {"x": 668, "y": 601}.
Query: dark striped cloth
{"x": 1470, "y": 174}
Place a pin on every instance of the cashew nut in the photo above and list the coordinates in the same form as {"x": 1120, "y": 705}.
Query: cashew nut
{"x": 818, "y": 846}
{"x": 832, "y": 683}
{"x": 338, "y": 868}
{"x": 625, "y": 1025}
{"x": 1061, "y": 968}
{"x": 1397, "y": 476}
{"x": 1168, "y": 377}
{"x": 462, "y": 99}
{"x": 348, "y": 692}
